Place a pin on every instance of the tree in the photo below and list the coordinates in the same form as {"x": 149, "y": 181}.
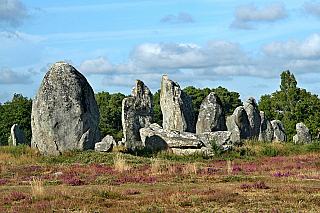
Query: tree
{"x": 17, "y": 111}
{"x": 157, "y": 113}
{"x": 110, "y": 107}
{"x": 292, "y": 105}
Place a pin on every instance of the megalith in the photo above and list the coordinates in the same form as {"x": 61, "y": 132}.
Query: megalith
{"x": 211, "y": 115}
{"x": 254, "y": 118}
{"x": 65, "y": 115}
{"x": 266, "y": 129}
{"x": 176, "y": 106}
{"x": 303, "y": 134}
{"x": 238, "y": 124}
{"x": 137, "y": 113}
{"x": 17, "y": 136}
{"x": 279, "y": 132}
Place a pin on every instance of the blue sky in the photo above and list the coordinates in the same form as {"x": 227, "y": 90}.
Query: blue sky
{"x": 240, "y": 45}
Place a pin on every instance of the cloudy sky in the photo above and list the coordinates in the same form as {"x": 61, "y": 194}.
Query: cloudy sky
{"x": 239, "y": 45}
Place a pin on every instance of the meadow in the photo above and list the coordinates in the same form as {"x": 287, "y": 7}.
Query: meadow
{"x": 255, "y": 177}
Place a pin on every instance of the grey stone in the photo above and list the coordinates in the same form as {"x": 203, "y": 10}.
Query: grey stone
{"x": 65, "y": 115}
{"x": 219, "y": 138}
{"x": 211, "y": 115}
{"x": 203, "y": 150}
{"x": 303, "y": 134}
{"x": 103, "y": 147}
{"x": 254, "y": 118}
{"x": 238, "y": 124}
{"x": 17, "y": 135}
{"x": 110, "y": 140}
{"x": 137, "y": 113}
{"x": 176, "y": 106}
{"x": 266, "y": 129}
{"x": 226, "y": 148}
{"x": 279, "y": 132}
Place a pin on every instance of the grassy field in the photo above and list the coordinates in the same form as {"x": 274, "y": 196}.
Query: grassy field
{"x": 256, "y": 177}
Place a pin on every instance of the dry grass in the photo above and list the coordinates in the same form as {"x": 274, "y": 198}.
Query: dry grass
{"x": 190, "y": 168}
{"x": 120, "y": 163}
{"x": 155, "y": 166}
{"x": 37, "y": 187}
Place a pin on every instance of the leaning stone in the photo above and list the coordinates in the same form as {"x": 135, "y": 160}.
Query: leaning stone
{"x": 17, "y": 136}
{"x": 176, "y": 106}
{"x": 110, "y": 140}
{"x": 211, "y": 115}
{"x": 279, "y": 132}
{"x": 65, "y": 115}
{"x": 254, "y": 118}
{"x": 303, "y": 134}
{"x": 137, "y": 113}
{"x": 266, "y": 129}
{"x": 238, "y": 124}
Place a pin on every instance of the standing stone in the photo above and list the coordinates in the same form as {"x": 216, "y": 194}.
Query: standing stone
{"x": 253, "y": 114}
{"x": 137, "y": 113}
{"x": 65, "y": 115}
{"x": 17, "y": 136}
{"x": 211, "y": 115}
{"x": 303, "y": 134}
{"x": 266, "y": 130}
{"x": 238, "y": 124}
{"x": 176, "y": 106}
{"x": 279, "y": 132}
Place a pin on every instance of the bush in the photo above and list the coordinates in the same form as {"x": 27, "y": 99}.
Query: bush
{"x": 314, "y": 146}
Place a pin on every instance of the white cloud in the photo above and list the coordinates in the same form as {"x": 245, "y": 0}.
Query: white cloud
{"x": 216, "y": 60}
{"x": 312, "y": 9}
{"x": 12, "y": 13}
{"x": 7, "y": 76}
{"x": 247, "y": 15}
{"x": 180, "y": 19}
{"x": 294, "y": 48}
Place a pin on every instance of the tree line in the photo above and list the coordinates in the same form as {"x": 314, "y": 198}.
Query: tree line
{"x": 290, "y": 104}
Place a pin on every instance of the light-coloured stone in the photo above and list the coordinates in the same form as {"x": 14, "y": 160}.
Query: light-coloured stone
{"x": 219, "y": 138}
{"x": 137, "y": 113}
{"x": 238, "y": 124}
{"x": 266, "y": 130}
{"x": 17, "y": 135}
{"x": 254, "y": 118}
{"x": 176, "y": 106}
{"x": 279, "y": 132}
{"x": 103, "y": 147}
{"x": 303, "y": 134}
{"x": 211, "y": 115}
{"x": 65, "y": 115}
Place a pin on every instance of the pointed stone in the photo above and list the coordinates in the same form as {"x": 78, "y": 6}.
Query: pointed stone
{"x": 238, "y": 124}
{"x": 211, "y": 115}
{"x": 137, "y": 113}
{"x": 17, "y": 135}
{"x": 176, "y": 107}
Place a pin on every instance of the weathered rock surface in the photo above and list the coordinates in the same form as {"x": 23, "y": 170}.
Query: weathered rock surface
{"x": 176, "y": 107}
{"x": 109, "y": 139}
{"x": 137, "y": 113}
{"x": 17, "y": 135}
{"x": 238, "y": 124}
{"x": 303, "y": 134}
{"x": 279, "y": 132}
{"x": 103, "y": 146}
{"x": 65, "y": 115}
{"x": 266, "y": 129}
{"x": 211, "y": 115}
{"x": 154, "y": 137}
{"x": 253, "y": 114}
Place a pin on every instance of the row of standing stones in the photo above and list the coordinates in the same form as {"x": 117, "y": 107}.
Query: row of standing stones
{"x": 65, "y": 116}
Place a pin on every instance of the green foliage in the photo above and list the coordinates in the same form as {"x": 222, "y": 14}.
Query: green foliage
{"x": 17, "y": 111}
{"x": 16, "y": 151}
{"x": 110, "y": 106}
{"x": 270, "y": 151}
{"x": 292, "y": 105}
{"x": 314, "y": 146}
{"x": 157, "y": 116}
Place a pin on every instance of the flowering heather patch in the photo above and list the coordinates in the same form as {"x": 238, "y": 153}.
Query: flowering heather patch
{"x": 4, "y": 181}
{"x": 16, "y": 196}
{"x": 255, "y": 185}
{"x": 74, "y": 182}
{"x": 279, "y": 174}
{"x": 140, "y": 179}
